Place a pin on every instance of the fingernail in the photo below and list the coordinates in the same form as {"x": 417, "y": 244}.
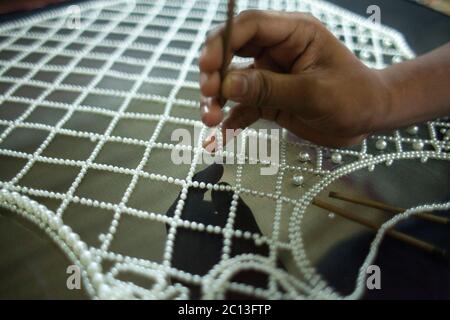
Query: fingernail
{"x": 204, "y": 105}
{"x": 204, "y": 108}
{"x": 209, "y": 143}
{"x": 204, "y": 51}
{"x": 236, "y": 85}
{"x": 203, "y": 78}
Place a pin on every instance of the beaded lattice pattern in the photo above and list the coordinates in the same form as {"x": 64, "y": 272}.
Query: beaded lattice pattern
{"x": 147, "y": 51}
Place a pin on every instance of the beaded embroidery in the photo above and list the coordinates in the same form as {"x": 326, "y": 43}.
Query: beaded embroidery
{"x": 177, "y": 28}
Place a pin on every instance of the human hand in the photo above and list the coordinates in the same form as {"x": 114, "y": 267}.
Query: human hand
{"x": 303, "y": 78}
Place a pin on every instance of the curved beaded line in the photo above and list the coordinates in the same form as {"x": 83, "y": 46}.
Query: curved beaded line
{"x": 295, "y": 224}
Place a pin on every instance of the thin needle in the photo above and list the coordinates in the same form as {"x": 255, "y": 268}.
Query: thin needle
{"x": 226, "y": 46}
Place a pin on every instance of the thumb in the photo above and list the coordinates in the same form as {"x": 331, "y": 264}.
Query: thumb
{"x": 263, "y": 88}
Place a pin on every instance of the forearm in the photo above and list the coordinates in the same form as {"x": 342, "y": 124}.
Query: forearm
{"x": 419, "y": 89}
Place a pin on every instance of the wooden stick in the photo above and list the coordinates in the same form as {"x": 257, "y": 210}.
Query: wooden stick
{"x": 226, "y": 46}
{"x": 425, "y": 246}
{"x": 388, "y": 208}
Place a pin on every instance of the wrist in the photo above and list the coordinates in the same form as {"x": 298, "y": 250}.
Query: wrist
{"x": 387, "y": 106}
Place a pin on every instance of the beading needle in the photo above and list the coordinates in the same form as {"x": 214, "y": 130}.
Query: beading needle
{"x": 226, "y": 47}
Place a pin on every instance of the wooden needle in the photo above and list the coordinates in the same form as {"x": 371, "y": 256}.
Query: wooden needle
{"x": 428, "y": 247}
{"x": 386, "y": 207}
{"x": 226, "y": 47}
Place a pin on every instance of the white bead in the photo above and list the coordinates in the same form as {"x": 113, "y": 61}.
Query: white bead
{"x": 446, "y": 137}
{"x": 336, "y": 158}
{"x": 104, "y": 291}
{"x": 297, "y": 180}
{"x": 93, "y": 268}
{"x": 65, "y": 231}
{"x": 80, "y": 247}
{"x": 397, "y": 59}
{"x": 413, "y": 130}
{"x": 304, "y": 156}
{"x": 387, "y": 42}
{"x": 86, "y": 257}
{"x": 365, "y": 55}
{"x": 55, "y": 222}
{"x": 364, "y": 40}
{"x": 381, "y": 144}
{"x": 72, "y": 238}
{"x": 97, "y": 279}
{"x": 418, "y": 145}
